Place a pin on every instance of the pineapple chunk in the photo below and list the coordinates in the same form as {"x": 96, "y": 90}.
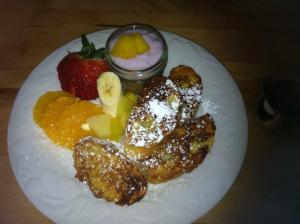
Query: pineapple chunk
{"x": 127, "y": 101}
{"x": 101, "y": 125}
{"x": 132, "y": 97}
{"x": 106, "y": 126}
{"x": 117, "y": 129}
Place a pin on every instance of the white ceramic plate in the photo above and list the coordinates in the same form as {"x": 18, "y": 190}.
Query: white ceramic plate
{"x": 45, "y": 172}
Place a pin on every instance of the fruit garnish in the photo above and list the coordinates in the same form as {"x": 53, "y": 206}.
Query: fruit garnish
{"x": 70, "y": 122}
{"x": 61, "y": 117}
{"x": 88, "y": 49}
{"x": 109, "y": 90}
{"x": 78, "y": 71}
{"x": 124, "y": 47}
{"x": 51, "y": 115}
{"x": 141, "y": 45}
{"x": 100, "y": 124}
{"x": 106, "y": 126}
{"x": 130, "y": 45}
{"x": 44, "y": 101}
{"x": 125, "y": 104}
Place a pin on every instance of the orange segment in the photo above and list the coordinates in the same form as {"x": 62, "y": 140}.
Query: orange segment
{"x": 52, "y": 113}
{"x": 70, "y": 122}
{"x": 61, "y": 116}
{"x": 43, "y": 102}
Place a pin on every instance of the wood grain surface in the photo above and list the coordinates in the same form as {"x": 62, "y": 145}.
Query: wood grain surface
{"x": 249, "y": 42}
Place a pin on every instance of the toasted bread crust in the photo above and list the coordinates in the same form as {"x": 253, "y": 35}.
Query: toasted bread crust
{"x": 184, "y": 76}
{"x": 181, "y": 151}
{"x": 190, "y": 86}
{"x": 108, "y": 173}
{"x": 186, "y": 146}
{"x": 183, "y": 83}
{"x": 155, "y": 115}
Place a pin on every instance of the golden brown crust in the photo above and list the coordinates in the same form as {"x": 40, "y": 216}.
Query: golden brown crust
{"x": 155, "y": 115}
{"x": 181, "y": 151}
{"x": 182, "y": 88}
{"x": 190, "y": 86}
{"x": 108, "y": 172}
{"x": 184, "y": 76}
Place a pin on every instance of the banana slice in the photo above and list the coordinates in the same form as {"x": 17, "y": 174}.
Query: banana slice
{"x": 110, "y": 91}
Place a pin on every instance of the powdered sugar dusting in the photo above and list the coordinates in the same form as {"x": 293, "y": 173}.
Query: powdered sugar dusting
{"x": 150, "y": 121}
{"x": 141, "y": 136}
{"x": 192, "y": 94}
{"x": 161, "y": 110}
{"x": 192, "y": 98}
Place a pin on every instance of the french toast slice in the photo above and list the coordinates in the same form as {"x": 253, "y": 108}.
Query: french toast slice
{"x": 108, "y": 172}
{"x": 155, "y": 115}
{"x": 181, "y": 151}
{"x": 190, "y": 87}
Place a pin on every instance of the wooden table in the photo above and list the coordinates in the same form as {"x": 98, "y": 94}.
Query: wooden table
{"x": 267, "y": 187}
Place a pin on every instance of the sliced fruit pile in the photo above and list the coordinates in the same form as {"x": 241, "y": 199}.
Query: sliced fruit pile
{"x": 66, "y": 119}
{"x": 43, "y": 101}
{"x": 116, "y": 106}
{"x": 112, "y": 127}
{"x": 61, "y": 116}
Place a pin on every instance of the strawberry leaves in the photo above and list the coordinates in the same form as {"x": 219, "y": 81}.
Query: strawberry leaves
{"x": 88, "y": 49}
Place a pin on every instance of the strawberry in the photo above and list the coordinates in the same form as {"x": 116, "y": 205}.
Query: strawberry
{"x": 78, "y": 71}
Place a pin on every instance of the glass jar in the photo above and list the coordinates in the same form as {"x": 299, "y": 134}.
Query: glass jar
{"x": 134, "y": 72}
